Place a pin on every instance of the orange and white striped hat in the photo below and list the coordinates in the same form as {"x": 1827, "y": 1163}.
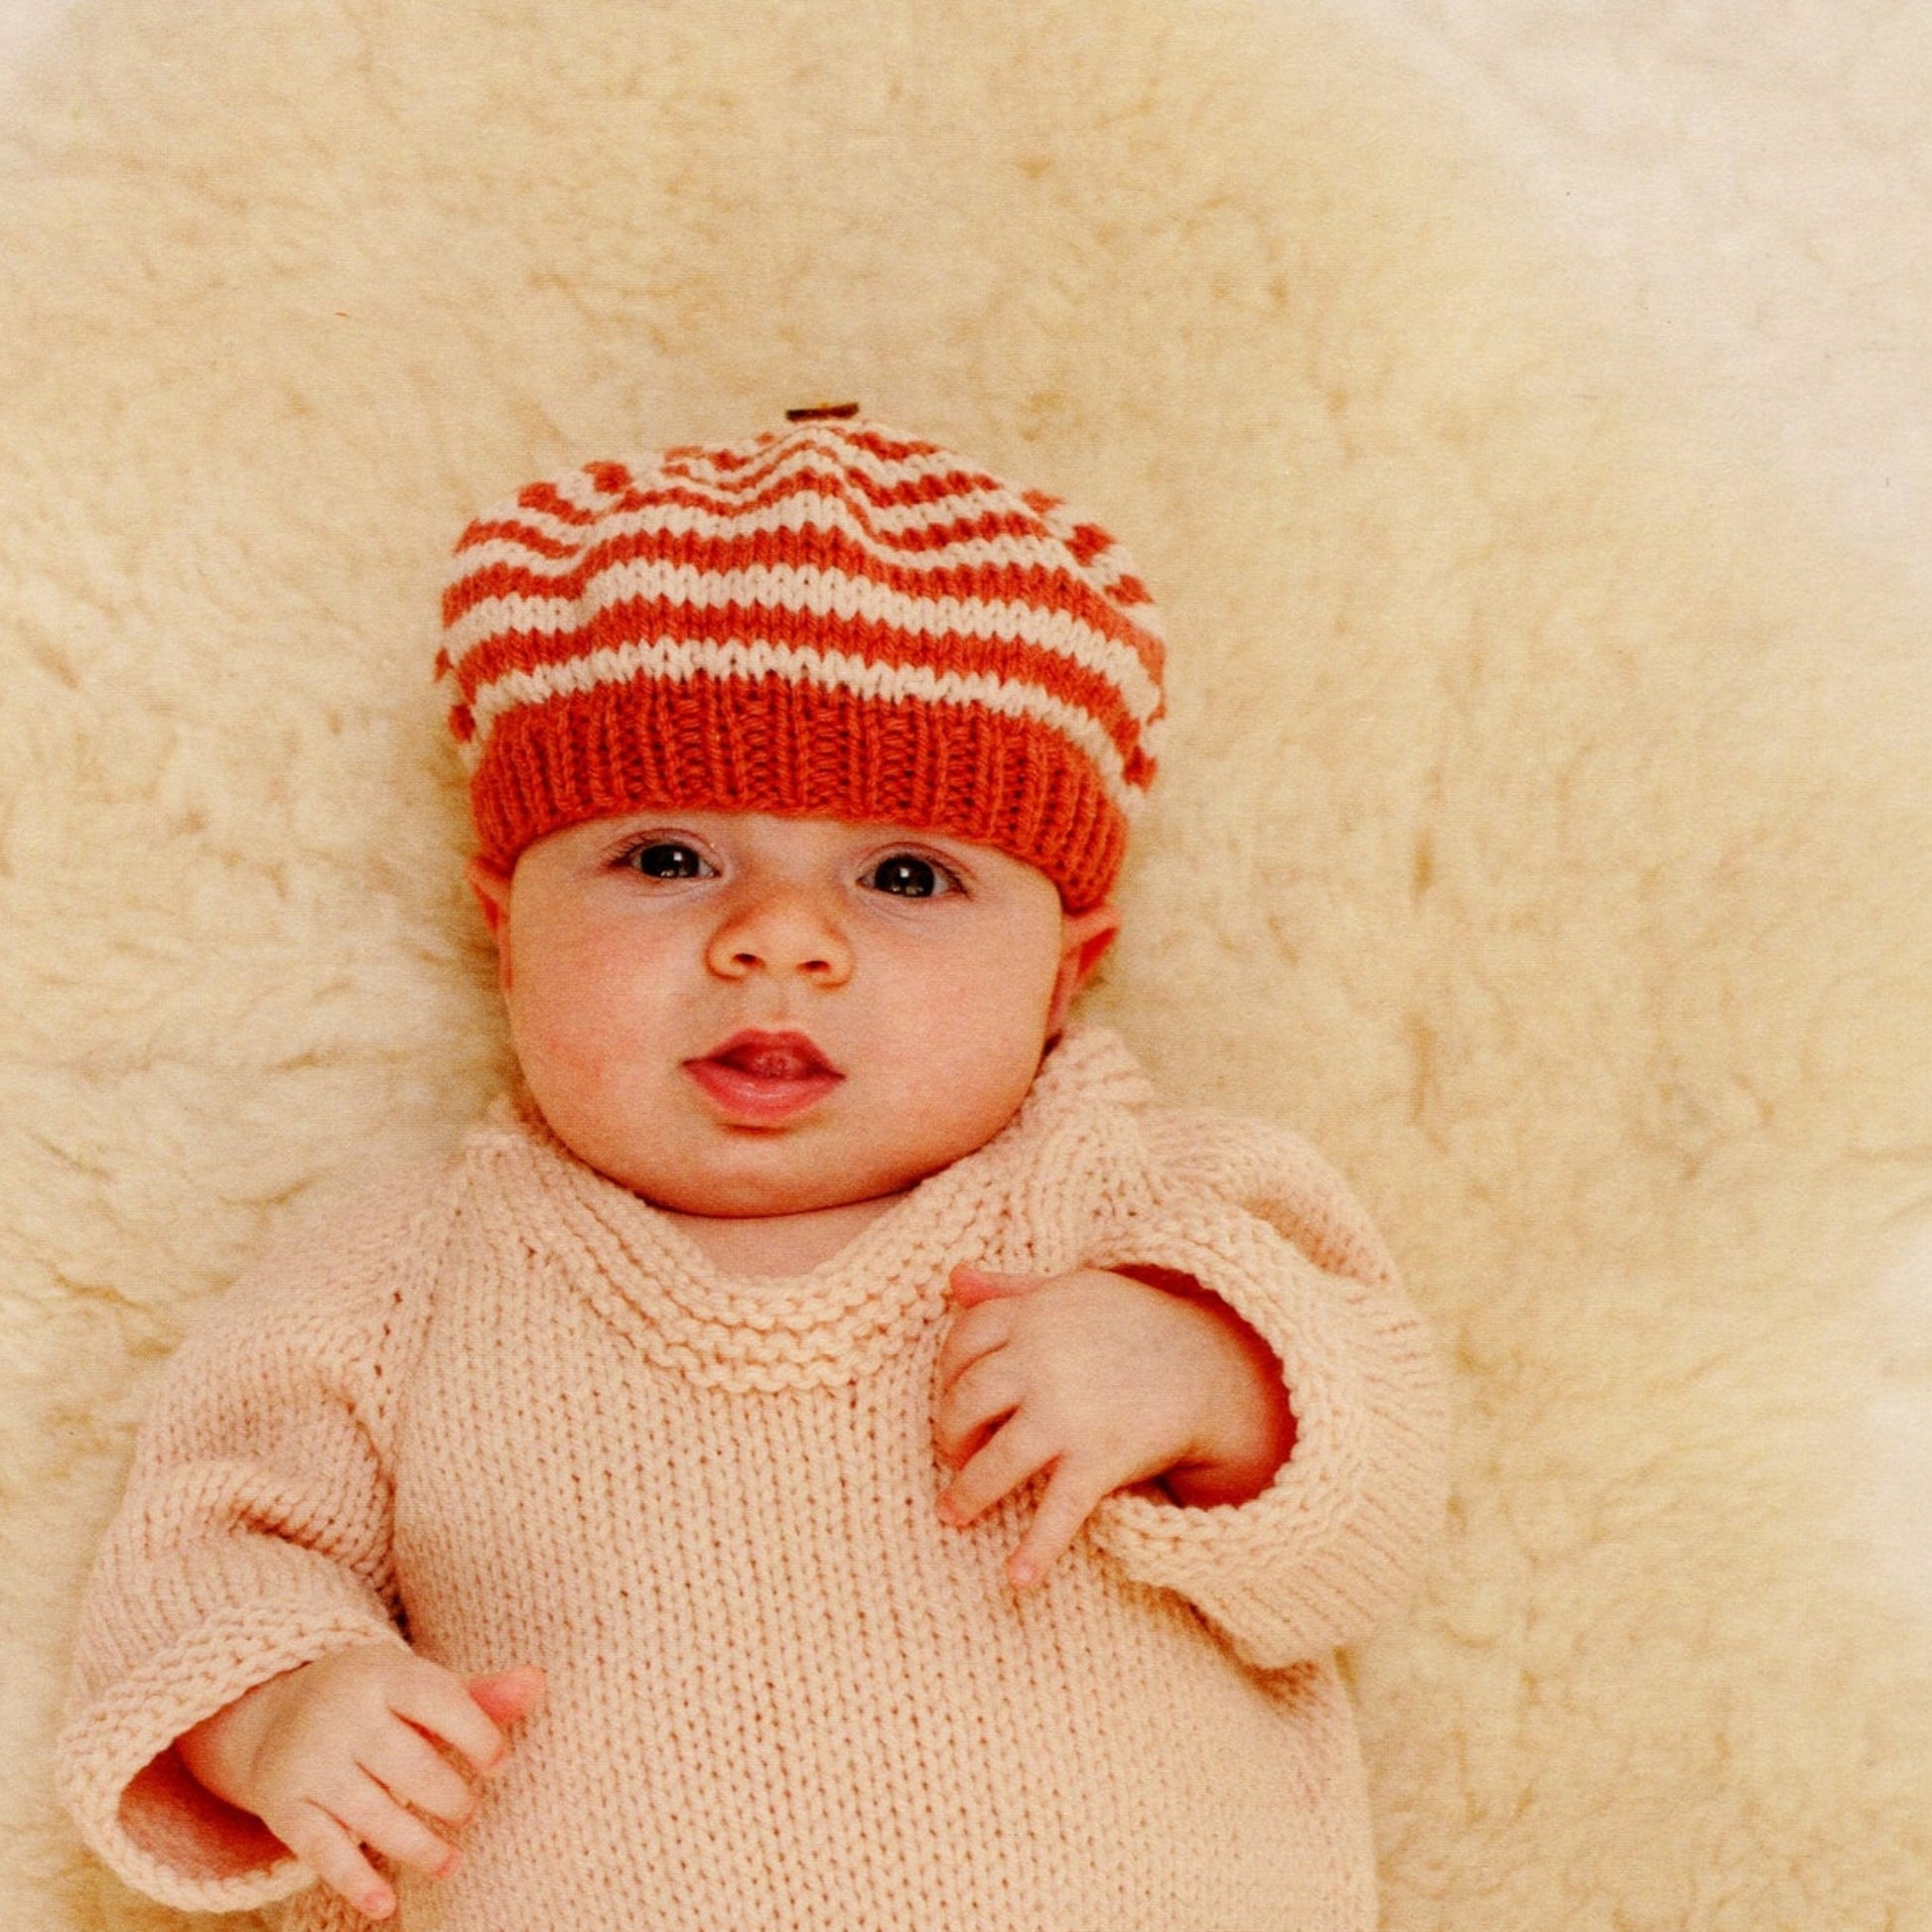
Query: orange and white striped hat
{"x": 837, "y": 620}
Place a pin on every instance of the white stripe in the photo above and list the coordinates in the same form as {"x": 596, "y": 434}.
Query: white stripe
{"x": 836, "y": 448}
{"x": 799, "y": 514}
{"x": 791, "y": 588}
{"x": 818, "y": 509}
{"x": 576, "y": 487}
{"x": 582, "y": 491}
{"x": 1109, "y": 565}
{"x": 675, "y": 658}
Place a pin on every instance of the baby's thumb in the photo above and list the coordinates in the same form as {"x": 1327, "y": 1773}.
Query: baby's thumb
{"x": 972, "y": 1286}
{"x": 507, "y": 1697}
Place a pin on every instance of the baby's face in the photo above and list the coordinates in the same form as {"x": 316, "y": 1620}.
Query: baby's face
{"x": 735, "y": 1014}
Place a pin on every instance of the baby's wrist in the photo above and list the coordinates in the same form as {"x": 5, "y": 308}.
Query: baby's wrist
{"x": 1247, "y": 1420}
{"x": 221, "y": 1750}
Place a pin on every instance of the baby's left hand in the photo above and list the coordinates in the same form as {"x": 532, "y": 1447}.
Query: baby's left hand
{"x": 1103, "y": 1380}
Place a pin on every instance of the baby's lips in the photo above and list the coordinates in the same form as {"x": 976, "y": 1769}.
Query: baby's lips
{"x": 765, "y": 1079}
{"x": 785, "y": 1055}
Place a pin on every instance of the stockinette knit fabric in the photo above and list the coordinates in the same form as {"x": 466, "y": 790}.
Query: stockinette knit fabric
{"x": 506, "y": 1409}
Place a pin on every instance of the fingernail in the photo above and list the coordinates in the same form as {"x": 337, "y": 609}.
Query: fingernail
{"x": 1022, "y": 1573}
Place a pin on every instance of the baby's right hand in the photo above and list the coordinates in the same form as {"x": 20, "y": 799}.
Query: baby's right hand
{"x": 341, "y": 1754}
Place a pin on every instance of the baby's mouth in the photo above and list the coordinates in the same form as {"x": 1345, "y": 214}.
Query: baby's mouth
{"x": 761, "y": 1079}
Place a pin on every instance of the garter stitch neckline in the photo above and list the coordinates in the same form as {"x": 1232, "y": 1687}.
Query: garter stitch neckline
{"x": 836, "y": 1323}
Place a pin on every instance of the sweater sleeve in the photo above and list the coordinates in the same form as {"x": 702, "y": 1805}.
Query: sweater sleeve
{"x": 1340, "y": 1537}
{"x": 253, "y": 1538}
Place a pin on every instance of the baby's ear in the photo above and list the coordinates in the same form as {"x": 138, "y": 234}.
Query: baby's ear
{"x": 491, "y": 886}
{"x": 1084, "y": 938}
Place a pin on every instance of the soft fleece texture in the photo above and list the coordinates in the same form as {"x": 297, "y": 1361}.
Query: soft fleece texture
{"x": 1544, "y": 830}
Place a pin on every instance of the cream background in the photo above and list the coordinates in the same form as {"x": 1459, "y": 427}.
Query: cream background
{"x": 1523, "y": 414}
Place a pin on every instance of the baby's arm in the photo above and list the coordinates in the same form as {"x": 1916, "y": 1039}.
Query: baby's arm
{"x": 343, "y": 1754}
{"x": 1335, "y": 1539}
{"x": 255, "y": 1539}
{"x": 1103, "y": 1379}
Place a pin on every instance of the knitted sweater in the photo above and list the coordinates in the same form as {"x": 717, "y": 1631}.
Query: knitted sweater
{"x": 507, "y": 1410}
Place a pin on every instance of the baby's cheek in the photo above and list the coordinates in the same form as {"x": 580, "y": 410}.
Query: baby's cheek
{"x": 961, "y": 1101}
{"x": 547, "y": 1051}
{"x": 580, "y": 1024}
{"x": 578, "y": 1081}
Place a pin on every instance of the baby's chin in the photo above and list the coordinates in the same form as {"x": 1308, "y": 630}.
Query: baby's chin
{"x": 777, "y": 1182}
{"x": 769, "y": 1200}
{"x": 812, "y": 1166}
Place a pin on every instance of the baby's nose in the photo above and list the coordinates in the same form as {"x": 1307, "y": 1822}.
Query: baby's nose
{"x": 782, "y": 933}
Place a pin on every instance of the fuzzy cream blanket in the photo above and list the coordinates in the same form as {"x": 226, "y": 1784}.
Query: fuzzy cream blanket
{"x": 1544, "y": 830}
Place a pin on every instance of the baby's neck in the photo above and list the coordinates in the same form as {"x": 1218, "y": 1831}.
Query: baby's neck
{"x": 778, "y": 1244}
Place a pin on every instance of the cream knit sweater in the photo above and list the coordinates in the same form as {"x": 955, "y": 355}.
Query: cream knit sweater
{"x": 510, "y": 1411}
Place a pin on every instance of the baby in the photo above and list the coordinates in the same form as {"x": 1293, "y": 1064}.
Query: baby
{"x": 828, "y": 1453}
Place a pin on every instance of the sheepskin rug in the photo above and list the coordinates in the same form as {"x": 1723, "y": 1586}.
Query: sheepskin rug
{"x": 1544, "y": 832}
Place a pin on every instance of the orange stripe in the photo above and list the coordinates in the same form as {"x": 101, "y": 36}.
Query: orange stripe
{"x": 549, "y": 500}
{"x": 643, "y": 620}
{"x": 785, "y": 471}
{"x": 1088, "y": 541}
{"x": 1045, "y": 585}
{"x": 726, "y": 469}
{"x": 1042, "y": 586}
{"x": 488, "y": 529}
{"x": 988, "y": 526}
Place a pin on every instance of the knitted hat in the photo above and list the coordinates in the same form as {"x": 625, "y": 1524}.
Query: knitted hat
{"x": 837, "y": 620}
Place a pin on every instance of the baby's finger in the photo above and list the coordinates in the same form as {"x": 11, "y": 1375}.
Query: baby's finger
{"x": 972, "y": 1286}
{"x": 1064, "y": 1506}
{"x": 974, "y": 1332}
{"x": 1013, "y": 1455}
{"x": 415, "y": 1773}
{"x": 334, "y": 1855}
{"x": 971, "y": 1406}
{"x": 507, "y": 1697}
{"x": 436, "y": 1702}
{"x": 375, "y": 1818}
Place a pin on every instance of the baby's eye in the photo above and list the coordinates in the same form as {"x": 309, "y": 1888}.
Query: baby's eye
{"x": 667, "y": 859}
{"x": 907, "y": 876}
